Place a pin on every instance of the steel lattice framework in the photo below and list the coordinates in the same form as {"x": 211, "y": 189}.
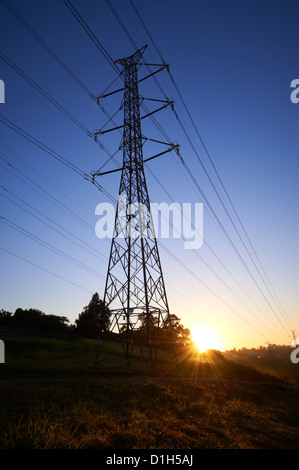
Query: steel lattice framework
{"x": 135, "y": 291}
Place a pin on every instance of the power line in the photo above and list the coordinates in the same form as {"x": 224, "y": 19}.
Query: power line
{"x": 107, "y": 57}
{"x": 90, "y": 34}
{"x": 43, "y": 92}
{"x": 53, "y": 101}
{"x": 47, "y": 224}
{"x": 50, "y": 51}
{"x": 168, "y": 251}
{"x": 52, "y": 153}
{"x": 213, "y": 165}
{"x": 190, "y": 174}
{"x": 44, "y": 269}
{"x": 182, "y": 264}
{"x": 194, "y": 181}
{"x": 207, "y": 287}
{"x": 231, "y": 241}
{"x": 146, "y": 29}
{"x": 242, "y": 241}
{"x": 61, "y": 206}
{"x": 43, "y": 147}
{"x": 122, "y": 24}
{"x": 95, "y": 253}
{"x": 67, "y": 69}
{"x": 63, "y": 65}
{"x": 40, "y": 176}
{"x": 49, "y": 246}
{"x": 208, "y": 246}
{"x": 44, "y": 192}
{"x": 65, "y": 2}
{"x": 207, "y": 264}
{"x": 134, "y": 44}
{"x": 75, "y": 262}
{"x": 220, "y": 199}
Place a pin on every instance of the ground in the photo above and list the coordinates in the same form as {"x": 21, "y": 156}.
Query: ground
{"x": 54, "y": 396}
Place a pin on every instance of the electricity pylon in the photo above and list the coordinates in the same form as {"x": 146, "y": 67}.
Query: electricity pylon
{"x": 135, "y": 290}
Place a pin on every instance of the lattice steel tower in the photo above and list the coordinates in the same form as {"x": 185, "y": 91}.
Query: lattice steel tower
{"x": 135, "y": 290}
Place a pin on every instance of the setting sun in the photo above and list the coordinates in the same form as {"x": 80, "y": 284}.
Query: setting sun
{"x": 205, "y": 338}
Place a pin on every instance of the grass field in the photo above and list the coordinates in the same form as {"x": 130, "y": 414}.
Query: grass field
{"x": 54, "y": 396}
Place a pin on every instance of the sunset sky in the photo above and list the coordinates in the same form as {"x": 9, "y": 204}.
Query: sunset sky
{"x": 233, "y": 63}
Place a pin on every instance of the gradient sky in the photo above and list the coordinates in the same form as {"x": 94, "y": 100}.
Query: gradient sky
{"x": 233, "y": 63}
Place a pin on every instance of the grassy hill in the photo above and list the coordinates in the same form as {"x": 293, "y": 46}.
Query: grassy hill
{"x": 53, "y": 396}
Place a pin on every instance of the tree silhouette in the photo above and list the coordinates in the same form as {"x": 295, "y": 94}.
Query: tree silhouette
{"x": 5, "y": 317}
{"x": 94, "y": 319}
{"x": 170, "y": 333}
{"x": 34, "y": 319}
{"x": 173, "y": 330}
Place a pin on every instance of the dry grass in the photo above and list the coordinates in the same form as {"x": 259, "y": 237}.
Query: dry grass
{"x": 53, "y": 396}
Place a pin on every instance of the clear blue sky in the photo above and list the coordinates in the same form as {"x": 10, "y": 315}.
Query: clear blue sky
{"x": 233, "y": 63}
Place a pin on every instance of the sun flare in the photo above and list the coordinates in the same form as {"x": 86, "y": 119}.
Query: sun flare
{"x": 205, "y": 338}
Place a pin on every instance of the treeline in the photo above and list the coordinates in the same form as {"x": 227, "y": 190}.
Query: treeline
{"x": 92, "y": 322}
{"x": 36, "y": 322}
{"x": 273, "y": 358}
{"x": 95, "y": 321}
{"x": 271, "y": 350}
